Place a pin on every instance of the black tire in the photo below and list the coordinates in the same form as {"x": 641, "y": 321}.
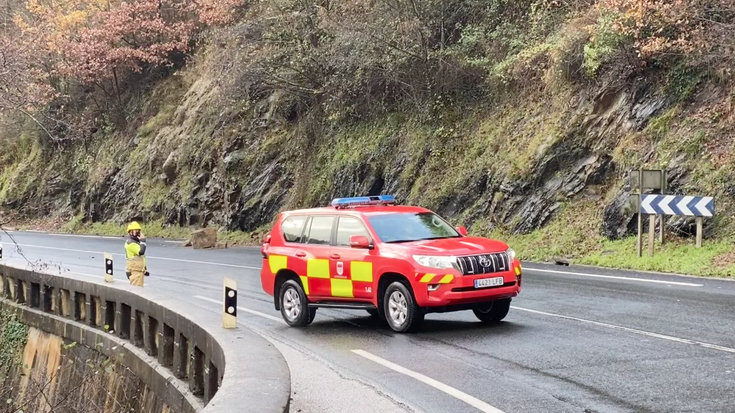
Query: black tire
{"x": 399, "y": 321}
{"x": 292, "y": 295}
{"x": 493, "y": 311}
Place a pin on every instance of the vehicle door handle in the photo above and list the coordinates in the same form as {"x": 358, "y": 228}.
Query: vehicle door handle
{"x": 334, "y": 256}
{"x": 301, "y": 254}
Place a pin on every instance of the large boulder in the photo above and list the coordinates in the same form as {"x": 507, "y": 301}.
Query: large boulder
{"x": 204, "y": 238}
{"x": 169, "y": 168}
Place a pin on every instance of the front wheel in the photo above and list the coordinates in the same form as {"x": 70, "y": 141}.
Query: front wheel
{"x": 295, "y": 306}
{"x": 400, "y": 308}
{"x": 493, "y": 311}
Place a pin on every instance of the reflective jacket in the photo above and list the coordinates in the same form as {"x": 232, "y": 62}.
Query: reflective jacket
{"x": 134, "y": 248}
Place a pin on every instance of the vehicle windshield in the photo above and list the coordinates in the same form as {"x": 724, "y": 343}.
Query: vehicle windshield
{"x": 407, "y": 227}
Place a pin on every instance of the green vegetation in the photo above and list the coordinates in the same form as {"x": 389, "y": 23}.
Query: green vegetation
{"x": 605, "y": 43}
{"x": 13, "y": 336}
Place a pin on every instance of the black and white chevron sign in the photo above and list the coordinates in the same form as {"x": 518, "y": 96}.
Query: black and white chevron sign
{"x": 693, "y": 206}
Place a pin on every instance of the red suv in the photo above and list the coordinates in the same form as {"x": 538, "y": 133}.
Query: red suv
{"x": 397, "y": 262}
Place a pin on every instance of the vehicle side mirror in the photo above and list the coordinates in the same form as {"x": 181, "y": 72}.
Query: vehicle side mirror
{"x": 360, "y": 241}
{"x": 462, "y": 230}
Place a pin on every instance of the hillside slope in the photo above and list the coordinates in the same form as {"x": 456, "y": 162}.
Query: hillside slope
{"x": 524, "y": 130}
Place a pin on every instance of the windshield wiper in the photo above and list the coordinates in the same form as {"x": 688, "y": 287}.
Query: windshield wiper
{"x": 402, "y": 240}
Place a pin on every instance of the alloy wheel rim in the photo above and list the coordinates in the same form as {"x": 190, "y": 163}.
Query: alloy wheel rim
{"x": 398, "y": 308}
{"x": 292, "y": 304}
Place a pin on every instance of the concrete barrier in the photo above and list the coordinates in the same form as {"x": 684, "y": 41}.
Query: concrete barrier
{"x": 183, "y": 354}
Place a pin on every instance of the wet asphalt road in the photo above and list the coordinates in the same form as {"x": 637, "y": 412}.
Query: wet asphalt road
{"x": 602, "y": 341}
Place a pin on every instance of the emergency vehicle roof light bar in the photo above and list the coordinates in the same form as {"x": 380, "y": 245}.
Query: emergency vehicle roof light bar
{"x": 341, "y": 203}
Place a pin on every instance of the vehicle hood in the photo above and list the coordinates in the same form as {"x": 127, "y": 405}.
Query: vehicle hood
{"x": 453, "y": 246}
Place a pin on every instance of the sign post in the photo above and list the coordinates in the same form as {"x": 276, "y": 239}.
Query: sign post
{"x": 643, "y": 180}
{"x": 662, "y": 218}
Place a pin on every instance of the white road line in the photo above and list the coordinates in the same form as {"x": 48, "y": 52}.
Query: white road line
{"x": 169, "y": 241}
{"x": 476, "y": 403}
{"x": 247, "y": 310}
{"x": 644, "y": 280}
{"x": 189, "y": 283}
{"x": 632, "y": 330}
{"x": 149, "y": 257}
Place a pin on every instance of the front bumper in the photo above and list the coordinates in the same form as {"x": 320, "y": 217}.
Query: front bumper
{"x": 461, "y": 293}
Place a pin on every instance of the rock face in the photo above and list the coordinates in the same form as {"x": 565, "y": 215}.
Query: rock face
{"x": 243, "y": 181}
{"x": 204, "y": 238}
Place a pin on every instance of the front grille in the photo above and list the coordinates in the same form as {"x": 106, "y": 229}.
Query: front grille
{"x": 484, "y": 263}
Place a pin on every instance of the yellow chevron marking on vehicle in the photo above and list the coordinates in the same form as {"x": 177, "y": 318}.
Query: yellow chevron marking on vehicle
{"x": 305, "y": 283}
{"x": 277, "y": 262}
{"x": 446, "y": 279}
{"x": 427, "y": 278}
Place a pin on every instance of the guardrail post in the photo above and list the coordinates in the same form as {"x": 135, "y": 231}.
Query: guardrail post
{"x": 108, "y": 268}
{"x": 229, "y": 315}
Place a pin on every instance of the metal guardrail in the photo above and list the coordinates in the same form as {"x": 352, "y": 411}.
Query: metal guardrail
{"x": 225, "y": 370}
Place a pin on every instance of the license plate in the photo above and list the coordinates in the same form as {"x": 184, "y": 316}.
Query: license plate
{"x": 489, "y": 282}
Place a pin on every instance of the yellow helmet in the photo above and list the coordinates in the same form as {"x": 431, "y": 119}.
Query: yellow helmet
{"x": 133, "y": 226}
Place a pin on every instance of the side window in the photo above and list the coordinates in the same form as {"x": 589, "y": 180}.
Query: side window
{"x": 292, "y": 228}
{"x": 320, "y": 231}
{"x": 347, "y": 228}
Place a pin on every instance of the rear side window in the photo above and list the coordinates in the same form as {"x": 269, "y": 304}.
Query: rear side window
{"x": 292, "y": 228}
{"x": 347, "y": 228}
{"x": 320, "y": 231}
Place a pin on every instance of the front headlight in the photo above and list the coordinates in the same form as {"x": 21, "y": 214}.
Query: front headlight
{"x": 431, "y": 261}
{"x": 511, "y": 254}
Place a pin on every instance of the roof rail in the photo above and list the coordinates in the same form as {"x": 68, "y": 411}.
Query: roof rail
{"x": 342, "y": 203}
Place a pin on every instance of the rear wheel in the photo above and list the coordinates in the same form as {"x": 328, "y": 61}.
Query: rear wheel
{"x": 295, "y": 306}
{"x": 401, "y": 311}
{"x": 493, "y": 311}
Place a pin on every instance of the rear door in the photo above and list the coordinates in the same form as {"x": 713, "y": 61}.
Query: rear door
{"x": 352, "y": 268}
{"x": 292, "y": 255}
{"x": 316, "y": 247}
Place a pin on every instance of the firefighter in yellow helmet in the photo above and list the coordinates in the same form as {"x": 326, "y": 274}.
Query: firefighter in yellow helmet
{"x": 135, "y": 247}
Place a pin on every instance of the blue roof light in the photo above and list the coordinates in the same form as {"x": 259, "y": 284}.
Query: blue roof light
{"x": 364, "y": 200}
